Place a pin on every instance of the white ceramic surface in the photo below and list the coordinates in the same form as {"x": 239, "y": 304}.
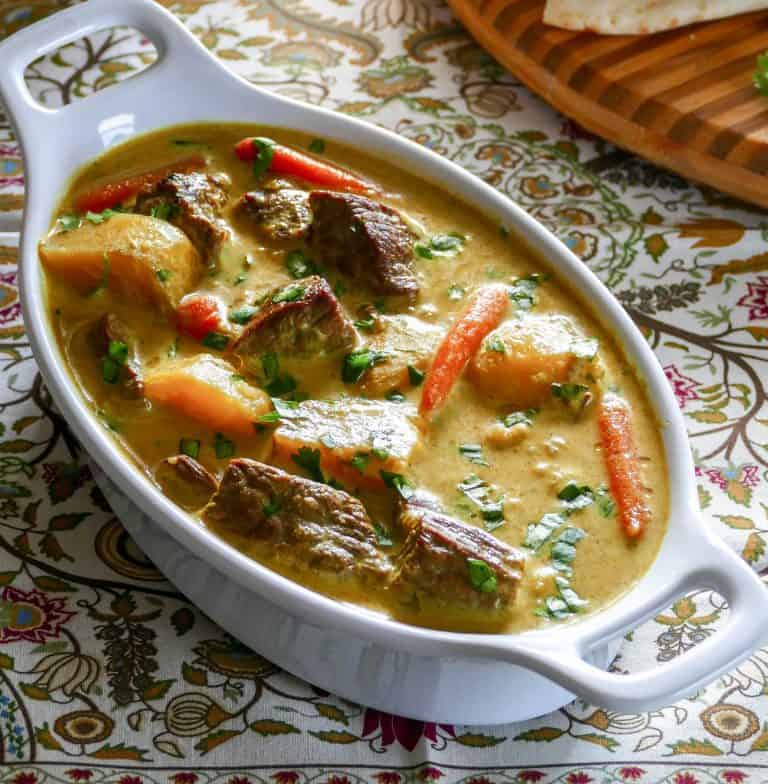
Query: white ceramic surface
{"x": 463, "y": 666}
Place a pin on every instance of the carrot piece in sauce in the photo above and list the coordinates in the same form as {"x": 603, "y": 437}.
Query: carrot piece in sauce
{"x": 111, "y": 194}
{"x": 292, "y": 163}
{"x": 623, "y": 463}
{"x": 461, "y": 343}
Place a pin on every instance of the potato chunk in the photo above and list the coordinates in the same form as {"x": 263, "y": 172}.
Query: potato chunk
{"x": 205, "y": 388}
{"x": 357, "y": 439}
{"x": 141, "y": 258}
{"x": 521, "y": 359}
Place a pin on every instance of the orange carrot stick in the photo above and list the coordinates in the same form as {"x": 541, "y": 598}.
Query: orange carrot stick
{"x": 292, "y": 163}
{"x": 620, "y": 455}
{"x": 461, "y": 343}
{"x": 110, "y": 194}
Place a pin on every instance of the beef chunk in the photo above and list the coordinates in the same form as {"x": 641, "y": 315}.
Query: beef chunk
{"x": 303, "y": 318}
{"x": 312, "y": 526}
{"x": 192, "y": 202}
{"x": 436, "y": 558}
{"x": 107, "y": 329}
{"x": 281, "y": 214}
{"x": 365, "y": 239}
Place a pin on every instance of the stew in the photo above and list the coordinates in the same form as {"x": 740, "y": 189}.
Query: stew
{"x": 355, "y": 378}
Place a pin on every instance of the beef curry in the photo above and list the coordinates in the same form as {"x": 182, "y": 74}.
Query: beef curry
{"x": 355, "y": 378}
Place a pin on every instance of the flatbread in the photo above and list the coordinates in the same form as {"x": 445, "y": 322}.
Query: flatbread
{"x": 636, "y": 17}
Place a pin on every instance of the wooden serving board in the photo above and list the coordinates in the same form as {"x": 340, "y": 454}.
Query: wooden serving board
{"x": 684, "y": 98}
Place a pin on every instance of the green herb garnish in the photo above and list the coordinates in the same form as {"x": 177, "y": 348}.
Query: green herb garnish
{"x": 491, "y": 509}
{"x": 70, "y": 222}
{"x": 356, "y": 363}
{"x": 118, "y": 351}
{"x": 481, "y": 576}
{"x": 440, "y": 245}
{"x": 495, "y": 343}
{"x": 309, "y": 460}
{"x": 223, "y": 447}
{"x": 760, "y": 76}
{"x": 568, "y": 392}
{"x": 163, "y": 275}
{"x": 189, "y": 447}
{"x": 110, "y": 370}
{"x": 290, "y": 293}
{"x": 367, "y": 324}
{"x": 415, "y": 376}
{"x": 456, "y": 292}
{"x": 265, "y": 150}
{"x": 216, "y": 341}
{"x": 523, "y": 290}
{"x": 360, "y": 461}
{"x": 317, "y": 146}
{"x": 473, "y": 453}
{"x": 520, "y": 417}
{"x": 165, "y": 211}
{"x": 397, "y": 482}
{"x": 173, "y": 349}
{"x": 299, "y": 264}
{"x": 383, "y": 537}
{"x": 243, "y": 314}
{"x": 396, "y": 396}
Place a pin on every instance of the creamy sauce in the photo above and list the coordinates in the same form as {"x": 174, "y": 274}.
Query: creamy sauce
{"x": 525, "y": 477}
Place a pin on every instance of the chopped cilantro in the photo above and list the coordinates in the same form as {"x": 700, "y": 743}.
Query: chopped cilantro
{"x": 478, "y": 492}
{"x": 440, "y": 245}
{"x": 397, "y": 482}
{"x": 284, "y": 409}
{"x": 110, "y": 370}
{"x": 356, "y": 363}
{"x": 538, "y": 533}
{"x": 481, "y": 576}
{"x": 265, "y": 150}
{"x": 223, "y": 447}
{"x": 360, "y": 461}
{"x": 495, "y": 343}
{"x": 165, "y": 211}
{"x": 309, "y": 460}
{"x": 173, "y": 349}
{"x": 243, "y": 314}
{"x": 383, "y": 537}
{"x": 523, "y": 290}
{"x": 606, "y": 506}
{"x": 290, "y": 293}
{"x": 367, "y": 324}
{"x": 473, "y": 453}
{"x": 118, "y": 351}
{"x": 189, "y": 447}
{"x": 69, "y": 222}
{"x": 299, "y": 264}
{"x": 380, "y": 453}
{"x": 270, "y": 365}
{"x": 163, "y": 275}
{"x": 216, "y": 341}
{"x": 396, "y": 396}
{"x": 241, "y": 277}
{"x": 415, "y": 376}
{"x": 271, "y": 508}
{"x": 576, "y": 496}
{"x": 99, "y": 217}
{"x": 317, "y": 146}
{"x": 520, "y": 417}
{"x": 456, "y": 292}
{"x": 760, "y": 76}
{"x": 568, "y": 392}
{"x": 281, "y": 385}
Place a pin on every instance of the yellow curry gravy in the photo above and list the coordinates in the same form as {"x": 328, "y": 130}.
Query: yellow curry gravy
{"x": 466, "y": 449}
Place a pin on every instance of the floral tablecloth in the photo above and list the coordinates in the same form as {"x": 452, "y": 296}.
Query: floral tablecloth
{"x": 108, "y": 674}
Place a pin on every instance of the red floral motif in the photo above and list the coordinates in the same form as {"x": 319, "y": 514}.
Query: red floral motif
{"x": 734, "y": 776}
{"x": 78, "y": 774}
{"x": 430, "y": 774}
{"x": 129, "y": 780}
{"x": 285, "y": 777}
{"x": 32, "y": 616}
{"x": 631, "y": 773}
{"x": 184, "y": 778}
{"x": 756, "y": 298}
{"x": 406, "y": 732}
{"x": 685, "y": 778}
{"x": 746, "y": 475}
{"x": 338, "y": 780}
{"x": 479, "y": 780}
{"x": 387, "y": 777}
{"x": 683, "y": 386}
{"x": 24, "y": 778}
{"x": 578, "y": 778}
{"x": 239, "y": 780}
{"x": 530, "y": 775}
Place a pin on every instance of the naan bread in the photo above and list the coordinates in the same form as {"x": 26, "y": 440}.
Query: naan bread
{"x": 634, "y": 17}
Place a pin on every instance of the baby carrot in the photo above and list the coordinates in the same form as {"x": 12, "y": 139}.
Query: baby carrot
{"x": 292, "y": 163}
{"x": 621, "y": 459}
{"x": 110, "y": 194}
{"x": 461, "y": 343}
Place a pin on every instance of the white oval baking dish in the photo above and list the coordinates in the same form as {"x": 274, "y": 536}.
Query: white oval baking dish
{"x": 466, "y": 678}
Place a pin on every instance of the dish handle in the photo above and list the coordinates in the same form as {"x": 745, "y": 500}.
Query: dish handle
{"x": 714, "y": 566}
{"x": 179, "y": 55}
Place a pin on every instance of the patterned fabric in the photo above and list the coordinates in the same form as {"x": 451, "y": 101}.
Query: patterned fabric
{"x": 108, "y": 675}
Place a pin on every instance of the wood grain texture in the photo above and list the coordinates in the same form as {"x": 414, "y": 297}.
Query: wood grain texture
{"x": 682, "y": 98}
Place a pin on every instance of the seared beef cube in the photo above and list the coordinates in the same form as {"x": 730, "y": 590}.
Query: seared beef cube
{"x": 364, "y": 239}
{"x": 192, "y": 202}
{"x": 312, "y": 527}
{"x": 281, "y": 214}
{"x": 109, "y": 329}
{"x": 302, "y": 319}
{"x": 454, "y": 564}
